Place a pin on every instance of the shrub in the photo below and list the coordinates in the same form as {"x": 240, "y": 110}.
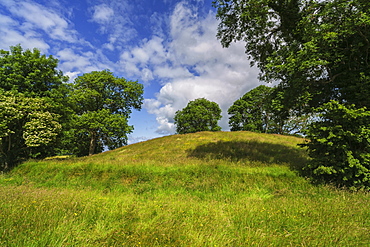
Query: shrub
{"x": 340, "y": 146}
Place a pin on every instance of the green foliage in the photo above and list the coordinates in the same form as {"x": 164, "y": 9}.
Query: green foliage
{"x": 317, "y": 50}
{"x": 340, "y": 146}
{"x": 41, "y": 115}
{"x": 250, "y": 112}
{"x": 198, "y": 115}
{"x": 29, "y": 72}
{"x": 27, "y": 128}
{"x": 33, "y": 106}
{"x": 102, "y": 105}
{"x": 263, "y": 110}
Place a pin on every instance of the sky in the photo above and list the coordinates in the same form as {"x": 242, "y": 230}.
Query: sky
{"x": 169, "y": 46}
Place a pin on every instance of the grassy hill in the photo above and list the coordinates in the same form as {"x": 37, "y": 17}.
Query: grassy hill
{"x": 201, "y": 189}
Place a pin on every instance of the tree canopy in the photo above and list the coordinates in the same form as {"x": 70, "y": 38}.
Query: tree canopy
{"x": 29, "y": 72}
{"x": 250, "y": 112}
{"x": 27, "y": 128}
{"x": 199, "y": 115}
{"x": 261, "y": 110}
{"x": 102, "y": 104}
{"x": 340, "y": 146}
{"x": 317, "y": 50}
{"x": 31, "y": 94}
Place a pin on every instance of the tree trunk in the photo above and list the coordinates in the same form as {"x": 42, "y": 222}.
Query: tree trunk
{"x": 92, "y": 142}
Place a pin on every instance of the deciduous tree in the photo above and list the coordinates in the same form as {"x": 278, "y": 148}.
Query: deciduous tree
{"x": 32, "y": 103}
{"x": 251, "y": 112}
{"x": 340, "y": 146}
{"x": 317, "y": 50}
{"x": 198, "y": 115}
{"x": 29, "y": 72}
{"x": 262, "y": 110}
{"x": 103, "y": 104}
{"x": 27, "y": 128}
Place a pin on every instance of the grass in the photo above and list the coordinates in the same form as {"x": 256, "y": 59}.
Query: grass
{"x": 202, "y": 189}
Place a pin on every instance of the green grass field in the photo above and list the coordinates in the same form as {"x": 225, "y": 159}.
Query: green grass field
{"x": 202, "y": 189}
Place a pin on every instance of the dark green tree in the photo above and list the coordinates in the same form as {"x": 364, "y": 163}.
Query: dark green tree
{"x": 30, "y": 72}
{"x": 251, "y": 112}
{"x": 262, "y": 110}
{"x": 102, "y": 104}
{"x": 332, "y": 142}
{"x": 317, "y": 50}
{"x": 32, "y": 105}
{"x": 198, "y": 115}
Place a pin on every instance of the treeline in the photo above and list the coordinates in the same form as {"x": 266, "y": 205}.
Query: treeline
{"x": 259, "y": 110}
{"x": 42, "y": 114}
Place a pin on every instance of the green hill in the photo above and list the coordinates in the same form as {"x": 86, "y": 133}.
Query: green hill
{"x": 201, "y": 189}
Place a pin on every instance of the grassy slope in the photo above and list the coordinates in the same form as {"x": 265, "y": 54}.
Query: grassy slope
{"x": 202, "y": 189}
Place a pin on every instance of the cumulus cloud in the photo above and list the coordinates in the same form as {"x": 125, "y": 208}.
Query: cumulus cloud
{"x": 190, "y": 64}
{"x": 33, "y": 17}
{"x": 74, "y": 62}
{"x": 37, "y": 26}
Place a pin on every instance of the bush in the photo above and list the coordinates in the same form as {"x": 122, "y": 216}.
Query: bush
{"x": 340, "y": 146}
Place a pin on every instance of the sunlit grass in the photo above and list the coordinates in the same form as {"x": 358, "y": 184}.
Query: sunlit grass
{"x": 203, "y": 189}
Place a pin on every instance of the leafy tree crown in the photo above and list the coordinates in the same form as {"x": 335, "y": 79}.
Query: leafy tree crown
{"x": 199, "y": 115}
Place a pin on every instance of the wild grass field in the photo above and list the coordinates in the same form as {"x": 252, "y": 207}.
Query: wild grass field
{"x": 201, "y": 189}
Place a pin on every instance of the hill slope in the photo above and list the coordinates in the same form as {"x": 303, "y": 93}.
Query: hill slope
{"x": 244, "y": 151}
{"x": 246, "y": 147}
{"x": 201, "y": 189}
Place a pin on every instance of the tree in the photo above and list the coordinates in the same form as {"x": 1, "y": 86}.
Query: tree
{"x": 332, "y": 142}
{"x": 261, "y": 110}
{"x": 29, "y": 72}
{"x": 250, "y": 112}
{"x": 102, "y": 105}
{"x": 198, "y": 115}
{"x": 27, "y": 128}
{"x": 317, "y": 50}
{"x": 32, "y": 105}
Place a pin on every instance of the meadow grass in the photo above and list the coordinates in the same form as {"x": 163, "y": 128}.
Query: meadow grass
{"x": 202, "y": 189}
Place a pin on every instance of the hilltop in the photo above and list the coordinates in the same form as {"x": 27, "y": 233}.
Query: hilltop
{"x": 241, "y": 150}
{"x": 201, "y": 189}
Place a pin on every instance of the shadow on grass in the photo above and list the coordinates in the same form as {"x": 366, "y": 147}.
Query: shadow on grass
{"x": 239, "y": 151}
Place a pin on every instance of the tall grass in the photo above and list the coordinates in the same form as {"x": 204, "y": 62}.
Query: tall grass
{"x": 203, "y": 189}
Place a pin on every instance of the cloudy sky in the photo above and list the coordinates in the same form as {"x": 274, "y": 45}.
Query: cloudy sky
{"x": 169, "y": 46}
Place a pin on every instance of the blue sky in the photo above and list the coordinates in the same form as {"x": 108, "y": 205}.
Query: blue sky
{"x": 169, "y": 46}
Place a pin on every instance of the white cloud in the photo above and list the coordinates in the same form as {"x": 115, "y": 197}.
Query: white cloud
{"x": 33, "y": 16}
{"x": 151, "y": 52}
{"x": 191, "y": 64}
{"x": 10, "y": 36}
{"x": 114, "y": 19}
{"x": 102, "y": 13}
{"x": 74, "y": 62}
{"x": 167, "y": 71}
{"x": 183, "y": 54}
